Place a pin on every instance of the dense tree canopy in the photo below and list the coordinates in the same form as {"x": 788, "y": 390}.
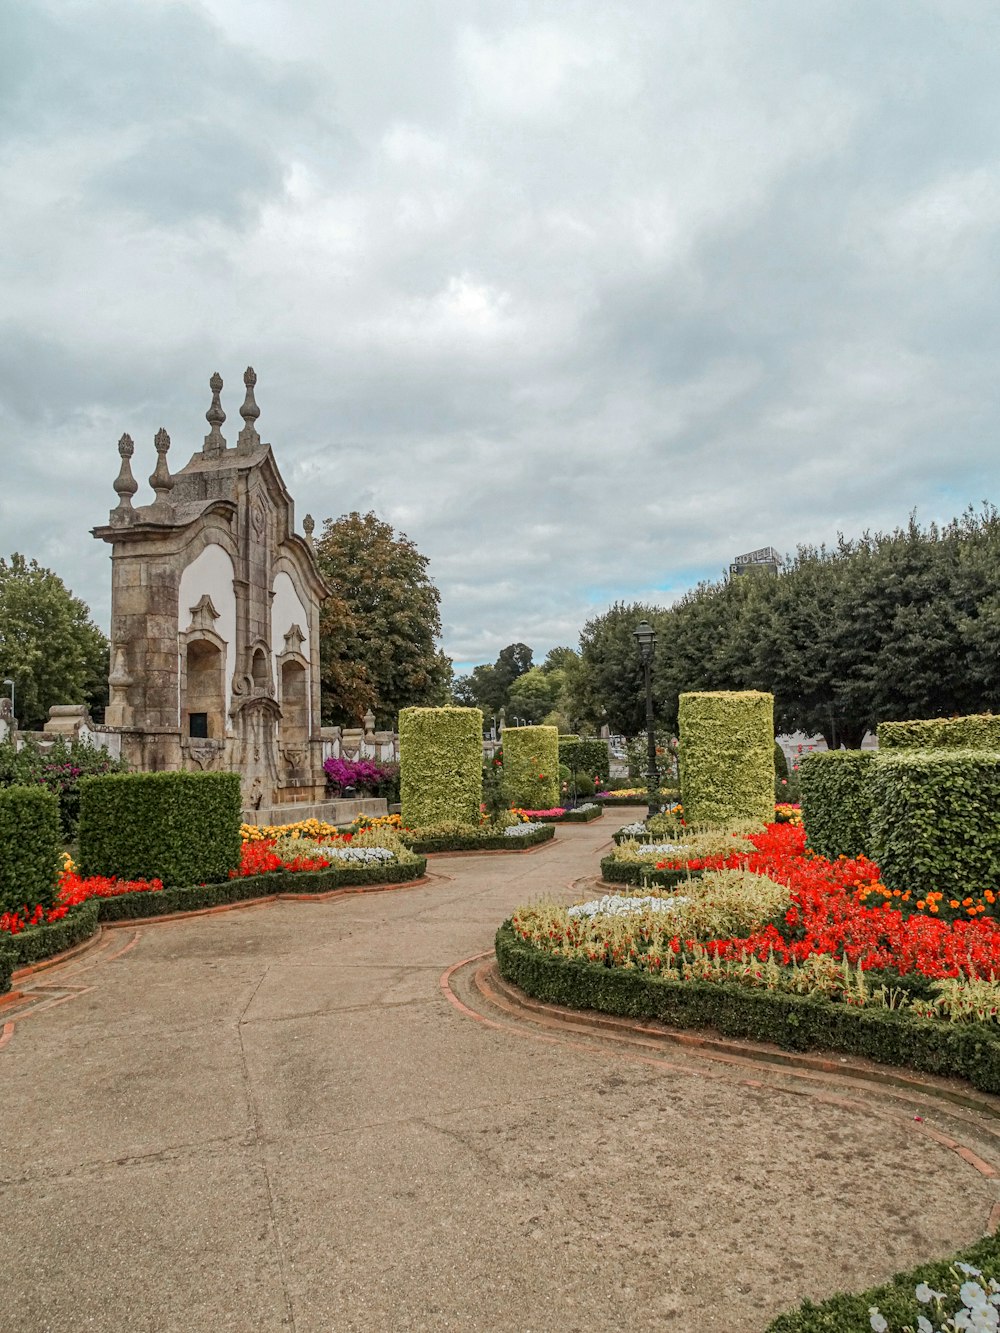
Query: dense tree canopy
{"x": 897, "y": 625}
{"x": 380, "y": 627}
{"x": 49, "y": 646}
{"x": 521, "y": 689}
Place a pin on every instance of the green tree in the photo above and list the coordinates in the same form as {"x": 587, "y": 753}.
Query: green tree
{"x": 379, "y": 637}
{"x": 608, "y": 685}
{"x": 49, "y": 646}
{"x": 534, "y": 694}
{"x": 488, "y": 686}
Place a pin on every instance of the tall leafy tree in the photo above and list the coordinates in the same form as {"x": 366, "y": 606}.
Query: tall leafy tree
{"x": 488, "y": 686}
{"x": 49, "y": 646}
{"x": 379, "y": 633}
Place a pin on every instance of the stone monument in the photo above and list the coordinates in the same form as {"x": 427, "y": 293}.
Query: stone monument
{"x": 215, "y": 617}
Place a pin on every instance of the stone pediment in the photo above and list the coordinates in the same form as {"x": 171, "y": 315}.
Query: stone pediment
{"x": 203, "y": 614}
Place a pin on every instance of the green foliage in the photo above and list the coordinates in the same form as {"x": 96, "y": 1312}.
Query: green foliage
{"x": 7, "y": 964}
{"x": 585, "y": 756}
{"x": 727, "y": 756}
{"x": 181, "y": 828}
{"x": 380, "y": 628}
{"x": 38, "y": 942}
{"x": 780, "y": 763}
{"x": 441, "y": 758}
{"x": 49, "y": 646}
{"x": 531, "y": 767}
{"x": 795, "y": 1022}
{"x": 29, "y": 848}
{"x": 837, "y": 801}
{"x": 609, "y": 683}
{"x": 895, "y": 1300}
{"x": 979, "y": 732}
{"x": 936, "y": 820}
{"x": 459, "y": 838}
{"x": 247, "y": 888}
{"x": 58, "y": 768}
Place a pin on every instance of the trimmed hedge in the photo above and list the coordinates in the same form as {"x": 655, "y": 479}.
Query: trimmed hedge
{"x": 638, "y": 873}
{"x": 531, "y": 767}
{"x": 837, "y": 801}
{"x": 727, "y": 756}
{"x": 585, "y": 756}
{"x": 181, "y": 828}
{"x": 979, "y": 731}
{"x": 794, "y": 1022}
{"x": 936, "y": 820}
{"x": 440, "y": 765}
{"x": 474, "y": 841}
{"x": 38, "y": 942}
{"x": 580, "y": 815}
{"x": 29, "y": 837}
{"x": 129, "y": 906}
{"x": 895, "y": 1299}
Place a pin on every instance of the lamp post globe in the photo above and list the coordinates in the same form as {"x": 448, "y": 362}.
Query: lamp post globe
{"x": 645, "y": 637}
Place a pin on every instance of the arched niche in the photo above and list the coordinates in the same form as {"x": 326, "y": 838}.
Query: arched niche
{"x": 294, "y": 696}
{"x": 203, "y": 687}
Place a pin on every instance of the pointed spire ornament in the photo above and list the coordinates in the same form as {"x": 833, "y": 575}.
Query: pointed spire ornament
{"x": 309, "y": 527}
{"x": 248, "y": 438}
{"x": 161, "y": 480}
{"x": 125, "y": 484}
{"x": 215, "y": 443}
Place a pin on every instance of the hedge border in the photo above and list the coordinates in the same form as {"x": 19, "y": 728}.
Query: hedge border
{"x": 895, "y": 1298}
{"x": 793, "y": 1022}
{"x": 630, "y": 872}
{"x": 473, "y": 842}
{"x": 576, "y": 816}
{"x": 40, "y": 942}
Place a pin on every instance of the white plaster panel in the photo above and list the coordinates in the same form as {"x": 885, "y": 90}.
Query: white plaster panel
{"x": 287, "y": 610}
{"x": 212, "y": 572}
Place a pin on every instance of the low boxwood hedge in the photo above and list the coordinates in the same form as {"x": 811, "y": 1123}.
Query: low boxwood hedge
{"x": 581, "y": 815}
{"x": 895, "y": 1299}
{"x": 795, "y": 1022}
{"x": 638, "y": 873}
{"x": 7, "y": 965}
{"x": 38, "y": 942}
{"x": 128, "y": 906}
{"x": 473, "y": 841}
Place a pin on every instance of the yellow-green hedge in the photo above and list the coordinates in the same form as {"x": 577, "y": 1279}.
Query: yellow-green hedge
{"x": 727, "y": 756}
{"x": 979, "y": 731}
{"x": 440, "y": 765}
{"x": 531, "y": 767}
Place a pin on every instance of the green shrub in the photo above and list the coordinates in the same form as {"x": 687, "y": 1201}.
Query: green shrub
{"x": 837, "y": 801}
{"x": 440, "y": 765}
{"x": 727, "y": 756}
{"x": 29, "y": 848}
{"x": 590, "y": 757}
{"x": 980, "y": 731}
{"x": 581, "y": 785}
{"x": 780, "y": 763}
{"x": 181, "y": 828}
{"x": 461, "y": 838}
{"x": 795, "y": 1022}
{"x": 531, "y": 767}
{"x": 936, "y": 820}
{"x": 7, "y": 965}
{"x": 38, "y": 942}
{"x": 896, "y": 1299}
{"x": 59, "y": 768}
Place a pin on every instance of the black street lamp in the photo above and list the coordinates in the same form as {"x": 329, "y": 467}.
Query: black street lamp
{"x": 645, "y": 637}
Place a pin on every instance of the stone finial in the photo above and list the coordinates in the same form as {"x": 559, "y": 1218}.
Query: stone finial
{"x": 248, "y": 437}
{"x": 309, "y": 527}
{"x": 161, "y": 480}
{"x": 215, "y": 442}
{"x": 125, "y": 484}
{"x": 369, "y": 721}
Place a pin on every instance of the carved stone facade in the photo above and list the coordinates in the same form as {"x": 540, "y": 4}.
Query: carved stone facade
{"x": 215, "y": 617}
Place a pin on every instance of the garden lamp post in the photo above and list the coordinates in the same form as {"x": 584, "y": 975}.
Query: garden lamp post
{"x": 645, "y": 637}
{"x": 9, "y": 682}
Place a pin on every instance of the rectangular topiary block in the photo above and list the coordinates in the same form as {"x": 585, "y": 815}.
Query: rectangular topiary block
{"x": 531, "y": 767}
{"x": 440, "y": 765}
{"x": 837, "y": 801}
{"x": 29, "y": 848}
{"x": 978, "y": 731}
{"x": 727, "y": 756}
{"x": 181, "y": 828}
{"x": 936, "y": 821}
{"x": 590, "y": 757}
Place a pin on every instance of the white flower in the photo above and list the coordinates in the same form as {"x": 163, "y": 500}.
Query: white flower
{"x": 616, "y": 904}
{"x": 968, "y": 1270}
{"x": 924, "y": 1325}
{"x": 927, "y": 1294}
{"x": 521, "y": 830}
{"x": 973, "y": 1295}
{"x": 659, "y": 849}
{"x": 877, "y": 1321}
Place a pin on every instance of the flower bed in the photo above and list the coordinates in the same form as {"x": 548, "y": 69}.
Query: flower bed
{"x": 932, "y": 1292}
{"x": 844, "y": 966}
{"x": 580, "y": 814}
{"x": 515, "y": 838}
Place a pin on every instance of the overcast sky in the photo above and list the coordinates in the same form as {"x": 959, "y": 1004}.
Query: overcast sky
{"x": 585, "y": 298}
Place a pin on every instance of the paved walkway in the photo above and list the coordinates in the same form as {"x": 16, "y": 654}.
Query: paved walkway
{"x": 274, "y": 1118}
